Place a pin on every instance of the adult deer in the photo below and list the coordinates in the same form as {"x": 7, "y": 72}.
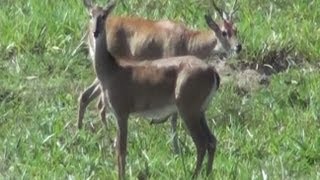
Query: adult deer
{"x": 136, "y": 39}
{"x": 161, "y": 87}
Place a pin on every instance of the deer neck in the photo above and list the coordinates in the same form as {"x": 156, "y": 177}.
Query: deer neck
{"x": 201, "y": 43}
{"x": 105, "y": 64}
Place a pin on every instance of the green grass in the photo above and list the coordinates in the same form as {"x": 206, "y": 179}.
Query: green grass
{"x": 272, "y": 132}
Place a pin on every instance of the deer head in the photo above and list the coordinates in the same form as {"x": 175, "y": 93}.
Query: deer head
{"x": 228, "y": 30}
{"x": 94, "y": 11}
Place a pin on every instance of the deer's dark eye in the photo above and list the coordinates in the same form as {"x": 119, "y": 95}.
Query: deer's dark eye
{"x": 224, "y": 34}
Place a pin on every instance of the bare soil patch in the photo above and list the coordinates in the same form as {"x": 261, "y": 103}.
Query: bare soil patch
{"x": 251, "y": 75}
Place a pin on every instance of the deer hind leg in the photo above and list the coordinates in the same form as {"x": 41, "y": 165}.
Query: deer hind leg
{"x": 211, "y": 143}
{"x": 175, "y": 144}
{"x": 198, "y": 135}
{"x": 85, "y": 98}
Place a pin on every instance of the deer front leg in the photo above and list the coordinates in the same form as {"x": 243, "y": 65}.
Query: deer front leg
{"x": 122, "y": 119}
{"x": 85, "y": 98}
{"x": 174, "y": 118}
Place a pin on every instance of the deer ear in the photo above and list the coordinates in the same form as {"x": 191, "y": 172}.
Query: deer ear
{"x": 212, "y": 24}
{"x": 87, "y": 4}
{"x": 110, "y": 6}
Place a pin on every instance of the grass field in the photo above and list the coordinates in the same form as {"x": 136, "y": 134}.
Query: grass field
{"x": 272, "y": 133}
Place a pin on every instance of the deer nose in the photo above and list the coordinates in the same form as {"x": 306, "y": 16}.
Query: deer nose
{"x": 238, "y": 48}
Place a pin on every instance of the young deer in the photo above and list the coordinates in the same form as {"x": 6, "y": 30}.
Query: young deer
{"x": 156, "y": 88}
{"x": 137, "y": 39}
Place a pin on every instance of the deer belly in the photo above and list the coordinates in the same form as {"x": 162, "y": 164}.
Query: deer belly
{"x": 158, "y": 113}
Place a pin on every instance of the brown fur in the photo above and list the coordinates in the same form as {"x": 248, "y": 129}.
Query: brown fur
{"x": 137, "y": 39}
{"x": 185, "y": 84}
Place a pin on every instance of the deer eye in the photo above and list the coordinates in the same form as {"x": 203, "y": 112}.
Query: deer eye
{"x": 224, "y": 34}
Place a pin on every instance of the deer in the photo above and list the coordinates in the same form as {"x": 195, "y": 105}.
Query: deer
{"x": 183, "y": 84}
{"x": 136, "y": 38}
